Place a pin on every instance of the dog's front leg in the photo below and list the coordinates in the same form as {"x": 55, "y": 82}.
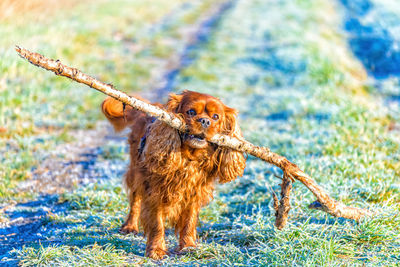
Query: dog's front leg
{"x": 187, "y": 228}
{"x": 154, "y": 225}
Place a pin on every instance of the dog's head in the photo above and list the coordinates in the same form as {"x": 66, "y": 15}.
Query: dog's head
{"x": 204, "y": 116}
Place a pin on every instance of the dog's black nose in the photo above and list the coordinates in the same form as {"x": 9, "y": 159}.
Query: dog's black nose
{"x": 205, "y": 122}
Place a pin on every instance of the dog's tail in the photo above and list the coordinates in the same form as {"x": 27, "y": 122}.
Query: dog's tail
{"x": 115, "y": 113}
{"x": 118, "y": 115}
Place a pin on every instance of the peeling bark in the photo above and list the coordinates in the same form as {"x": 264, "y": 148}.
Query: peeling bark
{"x": 291, "y": 171}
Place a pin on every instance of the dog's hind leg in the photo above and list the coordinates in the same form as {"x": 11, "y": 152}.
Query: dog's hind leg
{"x": 131, "y": 225}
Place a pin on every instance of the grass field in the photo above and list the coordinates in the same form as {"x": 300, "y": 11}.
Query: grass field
{"x": 287, "y": 66}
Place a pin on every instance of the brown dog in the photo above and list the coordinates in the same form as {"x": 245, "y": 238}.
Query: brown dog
{"x": 171, "y": 174}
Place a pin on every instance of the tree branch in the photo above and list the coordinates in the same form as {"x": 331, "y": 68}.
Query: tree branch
{"x": 324, "y": 201}
{"x": 282, "y": 207}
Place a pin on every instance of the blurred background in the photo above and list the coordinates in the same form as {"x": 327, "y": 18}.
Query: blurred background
{"x": 315, "y": 80}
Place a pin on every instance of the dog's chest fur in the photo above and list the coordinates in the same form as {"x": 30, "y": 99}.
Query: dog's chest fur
{"x": 179, "y": 188}
{"x": 171, "y": 176}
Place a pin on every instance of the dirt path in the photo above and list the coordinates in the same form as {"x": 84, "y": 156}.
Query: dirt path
{"x": 78, "y": 163}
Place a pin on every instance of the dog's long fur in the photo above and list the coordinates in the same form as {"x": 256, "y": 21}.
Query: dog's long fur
{"x": 171, "y": 175}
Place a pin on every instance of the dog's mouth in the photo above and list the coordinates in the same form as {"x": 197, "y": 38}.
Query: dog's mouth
{"x": 195, "y": 140}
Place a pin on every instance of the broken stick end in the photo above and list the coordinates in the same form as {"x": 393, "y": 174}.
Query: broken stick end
{"x": 343, "y": 211}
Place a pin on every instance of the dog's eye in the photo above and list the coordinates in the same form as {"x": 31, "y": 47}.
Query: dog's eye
{"x": 215, "y": 117}
{"x": 191, "y": 112}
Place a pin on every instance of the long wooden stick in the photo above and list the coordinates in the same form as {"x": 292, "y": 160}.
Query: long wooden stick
{"x": 324, "y": 201}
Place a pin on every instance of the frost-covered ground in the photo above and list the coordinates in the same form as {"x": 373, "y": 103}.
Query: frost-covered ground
{"x": 299, "y": 75}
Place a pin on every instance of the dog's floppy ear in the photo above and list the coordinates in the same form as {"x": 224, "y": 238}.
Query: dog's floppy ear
{"x": 231, "y": 163}
{"x": 174, "y": 102}
{"x": 231, "y": 127}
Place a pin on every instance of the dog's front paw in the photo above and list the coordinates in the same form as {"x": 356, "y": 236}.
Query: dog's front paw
{"x": 187, "y": 243}
{"x": 156, "y": 254}
{"x": 186, "y": 249}
{"x": 127, "y": 229}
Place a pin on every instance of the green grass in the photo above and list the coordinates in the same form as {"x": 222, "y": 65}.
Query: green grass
{"x": 276, "y": 67}
{"x": 89, "y": 256}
